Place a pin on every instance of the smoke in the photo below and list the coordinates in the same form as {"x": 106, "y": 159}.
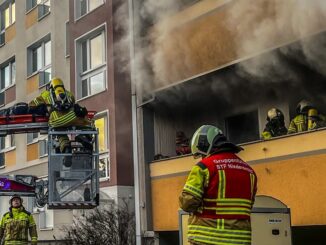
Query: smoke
{"x": 260, "y": 24}
{"x": 154, "y": 59}
{"x": 175, "y": 51}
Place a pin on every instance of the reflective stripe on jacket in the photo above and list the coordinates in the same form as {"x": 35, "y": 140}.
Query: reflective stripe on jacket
{"x": 302, "y": 123}
{"x": 57, "y": 119}
{"x": 219, "y": 231}
{"x": 218, "y": 186}
{"x": 15, "y": 225}
{"x": 220, "y": 192}
{"x": 298, "y": 124}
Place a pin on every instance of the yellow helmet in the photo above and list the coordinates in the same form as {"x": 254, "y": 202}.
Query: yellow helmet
{"x": 304, "y": 106}
{"x": 57, "y": 86}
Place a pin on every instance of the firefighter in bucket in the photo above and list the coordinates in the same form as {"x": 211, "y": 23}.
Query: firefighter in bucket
{"x": 64, "y": 112}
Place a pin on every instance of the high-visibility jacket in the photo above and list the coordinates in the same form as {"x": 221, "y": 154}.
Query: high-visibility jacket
{"x": 15, "y": 225}
{"x": 273, "y": 130}
{"x": 219, "y": 194}
{"x": 300, "y": 123}
{"x": 57, "y": 118}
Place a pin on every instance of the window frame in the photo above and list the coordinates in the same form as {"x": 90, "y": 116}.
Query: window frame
{"x": 3, "y": 7}
{"x": 30, "y": 59}
{"x": 106, "y": 153}
{"x": 30, "y": 5}
{"x": 90, "y": 72}
{"x": 77, "y": 9}
{"x": 42, "y": 140}
{"x": 12, "y": 79}
{"x": 34, "y": 139}
{"x": 43, "y": 4}
{"x": 105, "y": 115}
{"x": 10, "y": 139}
{"x": 106, "y": 157}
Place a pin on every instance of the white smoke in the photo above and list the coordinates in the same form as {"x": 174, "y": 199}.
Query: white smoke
{"x": 255, "y": 25}
{"x": 260, "y": 24}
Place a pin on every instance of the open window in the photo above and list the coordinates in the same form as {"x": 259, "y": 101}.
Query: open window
{"x": 242, "y": 127}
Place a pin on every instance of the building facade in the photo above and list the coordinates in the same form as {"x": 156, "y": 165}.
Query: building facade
{"x": 76, "y": 41}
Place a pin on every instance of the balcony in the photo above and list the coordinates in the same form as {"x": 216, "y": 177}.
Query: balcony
{"x": 289, "y": 168}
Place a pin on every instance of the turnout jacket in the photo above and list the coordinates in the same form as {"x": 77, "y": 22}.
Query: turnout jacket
{"x": 219, "y": 193}
{"x": 15, "y": 225}
{"x": 58, "y": 118}
{"x": 300, "y": 123}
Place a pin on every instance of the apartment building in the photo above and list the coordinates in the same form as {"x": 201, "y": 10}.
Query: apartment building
{"x": 226, "y": 63}
{"x": 76, "y": 41}
{"x": 100, "y": 78}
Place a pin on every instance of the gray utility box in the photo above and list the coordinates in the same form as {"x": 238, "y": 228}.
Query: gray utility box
{"x": 270, "y": 222}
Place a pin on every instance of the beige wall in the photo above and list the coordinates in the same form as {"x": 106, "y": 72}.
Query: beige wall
{"x": 290, "y": 169}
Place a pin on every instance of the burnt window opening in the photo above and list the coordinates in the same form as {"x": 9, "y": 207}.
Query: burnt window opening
{"x": 243, "y": 127}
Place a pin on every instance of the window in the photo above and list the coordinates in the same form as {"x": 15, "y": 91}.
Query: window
{"x": 2, "y": 98}
{"x": 44, "y": 6}
{"x": 7, "y": 142}
{"x": 85, "y": 6}
{"x": 92, "y": 65}
{"x": 32, "y": 137}
{"x": 102, "y": 126}
{"x": 43, "y": 147}
{"x": 104, "y": 167}
{"x": 8, "y": 14}
{"x": 32, "y": 3}
{"x": 2, "y": 159}
{"x": 39, "y": 60}
{"x": 7, "y": 74}
{"x": 242, "y": 128}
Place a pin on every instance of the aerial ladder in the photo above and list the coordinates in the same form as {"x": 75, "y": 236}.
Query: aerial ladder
{"x": 66, "y": 187}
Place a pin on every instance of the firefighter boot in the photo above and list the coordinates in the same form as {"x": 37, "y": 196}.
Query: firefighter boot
{"x": 67, "y": 160}
{"x": 86, "y": 141}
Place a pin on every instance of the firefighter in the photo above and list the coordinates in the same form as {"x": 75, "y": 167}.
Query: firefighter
{"x": 219, "y": 192}
{"x": 181, "y": 143}
{"x": 307, "y": 118}
{"x": 16, "y": 224}
{"x": 64, "y": 112}
{"x": 275, "y": 125}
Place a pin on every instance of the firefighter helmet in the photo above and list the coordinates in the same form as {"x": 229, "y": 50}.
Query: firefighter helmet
{"x": 203, "y": 139}
{"x": 58, "y": 88}
{"x": 275, "y": 113}
{"x": 15, "y": 196}
{"x": 303, "y": 106}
